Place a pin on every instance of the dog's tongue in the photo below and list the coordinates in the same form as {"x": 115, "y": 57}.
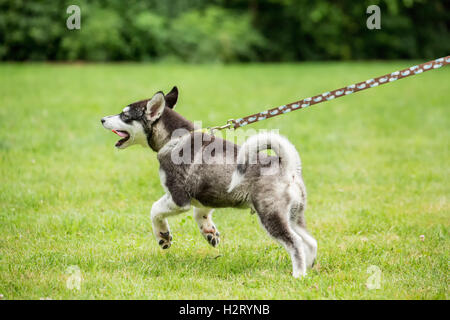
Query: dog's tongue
{"x": 119, "y": 133}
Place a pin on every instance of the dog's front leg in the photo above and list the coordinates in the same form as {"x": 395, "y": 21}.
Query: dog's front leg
{"x": 203, "y": 217}
{"x": 162, "y": 209}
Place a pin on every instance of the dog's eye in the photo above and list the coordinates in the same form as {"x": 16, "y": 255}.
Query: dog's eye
{"x": 125, "y": 117}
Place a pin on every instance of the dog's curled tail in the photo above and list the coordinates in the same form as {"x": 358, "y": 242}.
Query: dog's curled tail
{"x": 289, "y": 158}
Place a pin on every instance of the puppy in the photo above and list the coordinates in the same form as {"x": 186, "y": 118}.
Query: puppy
{"x": 202, "y": 171}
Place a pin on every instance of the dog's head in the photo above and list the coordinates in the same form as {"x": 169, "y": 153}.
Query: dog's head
{"x": 134, "y": 123}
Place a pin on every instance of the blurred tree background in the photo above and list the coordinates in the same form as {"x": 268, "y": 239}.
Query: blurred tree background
{"x": 222, "y": 30}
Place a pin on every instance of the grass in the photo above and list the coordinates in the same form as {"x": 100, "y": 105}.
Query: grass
{"x": 375, "y": 166}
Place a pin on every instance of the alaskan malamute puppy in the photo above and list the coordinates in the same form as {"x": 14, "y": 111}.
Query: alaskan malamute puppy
{"x": 205, "y": 172}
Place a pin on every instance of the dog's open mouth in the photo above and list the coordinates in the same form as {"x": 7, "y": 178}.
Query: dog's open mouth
{"x": 125, "y": 135}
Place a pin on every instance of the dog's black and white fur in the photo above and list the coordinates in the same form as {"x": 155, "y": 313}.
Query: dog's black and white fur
{"x": 279, "y": 199}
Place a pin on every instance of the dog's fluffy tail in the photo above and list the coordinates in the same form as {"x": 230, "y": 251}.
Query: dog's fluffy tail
{"x": 289, "y": 158}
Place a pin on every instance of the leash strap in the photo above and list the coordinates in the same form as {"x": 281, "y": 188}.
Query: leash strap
{"x": 326, "y": 96}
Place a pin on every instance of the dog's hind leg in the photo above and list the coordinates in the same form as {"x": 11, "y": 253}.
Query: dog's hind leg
{"x": 298, "y": 224}
{"x": 278, "y": 226}
{"x": 310, "y": 244}
{"x": 203, "y": 217}
{"x": 161, "y": 209}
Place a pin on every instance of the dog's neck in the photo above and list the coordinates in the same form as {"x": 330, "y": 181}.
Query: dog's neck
{"x": 161, "y": 131}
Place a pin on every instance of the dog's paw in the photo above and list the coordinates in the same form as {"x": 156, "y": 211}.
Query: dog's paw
{"x": 299, "y": 275}
{"x": 211, "y": 234}
{"x": 164, "y": 240}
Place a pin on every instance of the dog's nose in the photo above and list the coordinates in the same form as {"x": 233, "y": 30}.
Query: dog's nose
{"x": 103, "y": 120}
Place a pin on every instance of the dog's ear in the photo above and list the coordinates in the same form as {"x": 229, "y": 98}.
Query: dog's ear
{"x": 155, "y": 107}
{"x": 171, "y": 98}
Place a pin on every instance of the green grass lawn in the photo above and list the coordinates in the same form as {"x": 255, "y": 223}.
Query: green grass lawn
{"x": 375, "y": 164}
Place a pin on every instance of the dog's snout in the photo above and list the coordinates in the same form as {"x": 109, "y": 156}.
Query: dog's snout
{"x": 103, "y": 120}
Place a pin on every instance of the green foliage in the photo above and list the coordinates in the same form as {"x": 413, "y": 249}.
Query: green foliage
{"x": 99, "y": 39}
{"x": 222, "y": 31}
{"x": 214, "y": 35}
